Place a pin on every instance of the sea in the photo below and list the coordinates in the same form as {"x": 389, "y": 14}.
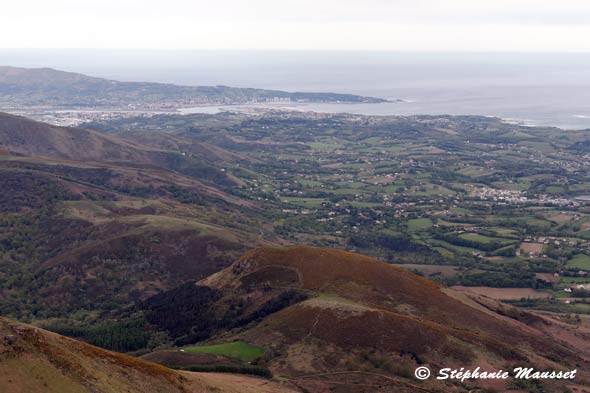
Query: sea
{"x": 541, "y": 89}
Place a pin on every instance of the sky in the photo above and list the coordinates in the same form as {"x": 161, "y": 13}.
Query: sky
{"x": 458, "y": 25}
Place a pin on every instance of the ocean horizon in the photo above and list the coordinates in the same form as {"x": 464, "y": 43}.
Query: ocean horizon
{"x": 543, "y": 89}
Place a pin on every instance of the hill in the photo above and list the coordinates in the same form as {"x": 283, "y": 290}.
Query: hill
{"x": 36, "y": 361}
{"x": 106, "y": 244}
{"x": 464, "y": 200}
{"x": 359, "y": 315}
{"x": 84, "y": 215}
{"x": 22, "y": 136}
{"x": 49, "y": 87}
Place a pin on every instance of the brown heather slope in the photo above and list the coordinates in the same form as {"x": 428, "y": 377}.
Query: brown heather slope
{"x": 24, "y": 137}
{"x": 33, "y": 360}
{"x": 365, "y": 315}
{"x": 175, "y": 142}
{"x": 27, "y": 137}
{"x": 181, "y": 169}
{"x": 91, "y": 252}
{"x": 89, "y": 221}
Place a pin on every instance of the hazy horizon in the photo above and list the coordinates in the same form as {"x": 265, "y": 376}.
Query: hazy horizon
{"x": 488, "y": 25}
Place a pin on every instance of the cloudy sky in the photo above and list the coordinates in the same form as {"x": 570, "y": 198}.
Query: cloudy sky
{"x": 488, "y": 25}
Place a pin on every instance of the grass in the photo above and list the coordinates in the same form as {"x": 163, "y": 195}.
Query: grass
{"x": 555, "y": 189}
{"x": 580, "y": 261}
{"x": 304, "y": 202}
{"x": 538, "y": 223}
{"x": 236, "y": 350}
{"x": 162, "y": 222}
{"x": 453, "y": 248}
{"x": 427, "y": 270}
{"x": 330, "y": 297}
{"x": 350, "y": 184}
{"x": 579, "y": 280}
{"x": 460, "y": 210}
{"x": 443, "y": 251}
{"x": 364, "y": 204}
{"x": 311, "y": 183}
{"x": 517, "y": 186}
{"x": 429, "y": 190}
{"x": 505, "y": 232}
{"x": 485, "y": 239}
{"x": 579, "y": 187}
{"x": 419, "y": 224}
{"x": 348, "y": 191}
{"x": 474, "y": 171}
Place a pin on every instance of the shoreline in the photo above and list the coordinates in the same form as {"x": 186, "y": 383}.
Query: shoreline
{"x": 391, "y": 108}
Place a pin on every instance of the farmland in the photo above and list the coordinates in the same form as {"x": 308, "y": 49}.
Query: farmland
{"x": 177, "y": 198}
{"x": 580, "y": 261}
{"x": 434, "y": 191}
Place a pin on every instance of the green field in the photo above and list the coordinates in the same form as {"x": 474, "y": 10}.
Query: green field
{"x": 579, "y": 280}
{"x": 364, "y": 204}
{"x": 304, "y": 202}
{"x": 453, "y": 248}
{"x": 419, "y": 224}
{"x": 505, "y": 232}
{"x": 485, "y": 239}
{"x": 236, "y": 350}
{"x": 580, "y": 261}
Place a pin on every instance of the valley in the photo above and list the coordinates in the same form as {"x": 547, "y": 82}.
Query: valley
{"x": 382, "y": 196}
{"x": 463, "y": 200}
{"x": 332, "y": 252}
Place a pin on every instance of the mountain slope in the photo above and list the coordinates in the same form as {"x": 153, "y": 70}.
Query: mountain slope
{"x": 36, "y": 361}
{"x": 49, "y": 87}
{"x": 365, "y": 315}
{"x": 84, "y": 215}
{"x": 19, "y": 135}
{"x": 22, "y": 136}
{"x": 363, "y": 287}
